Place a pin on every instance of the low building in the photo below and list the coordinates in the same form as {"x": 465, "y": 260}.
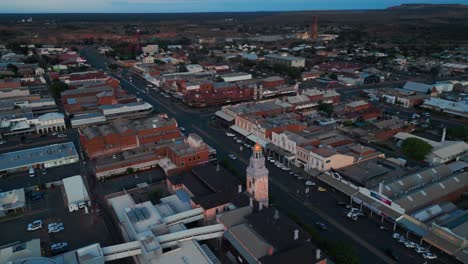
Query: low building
{"x": 288, "y": 61}
{"x": 46, "y": 156}
{"x": 18, "y": 252}
{"x": 75, "y": 192}
{"x": 210, "y": 187}
{"x": 11, "y": 202}
{"x": 160, "y": 233}
{"x": 442, "y": 152}
{"x": 236, "y": 77}
{"x": 450, "y": 107}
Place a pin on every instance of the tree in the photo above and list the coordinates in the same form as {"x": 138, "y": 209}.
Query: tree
{"x": 57, "y": 87}
{"x": 459, "y": 132}
{"x": 130, "y": 170}
{"x": 415, "y": 148}
{"x": 324, "y": 107}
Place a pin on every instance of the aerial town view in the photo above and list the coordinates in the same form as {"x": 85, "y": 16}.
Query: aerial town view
{"x": 233, "y": 132}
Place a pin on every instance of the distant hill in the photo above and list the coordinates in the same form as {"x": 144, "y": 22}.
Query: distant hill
{"x": 426, "y": 7}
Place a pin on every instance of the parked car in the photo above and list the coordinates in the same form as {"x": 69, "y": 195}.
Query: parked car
{"x": 420, "y": 249}
{"x": 182, "y": 129}
{"x": 2, "y": 142}
{"x": 58, "y": 247}
{"x": 232, "y": 156}
{"x": 310, "y": 183}
{"x": 35, "y": 225}
{"x": 62, "y": 135}
{"x": 32, "y": 173}
{"x": 396, "y": 235}
{"x": 429, "y": 255}
{"x": 384, "y": 228}
{"x": 55, "y": 227}
{"x": 34, "y": 195}
{"x": 229, "y": 134}
{"x": 410, "y": 244}
{"x": 321, "y": 189}
{"x": 321, "y": 225}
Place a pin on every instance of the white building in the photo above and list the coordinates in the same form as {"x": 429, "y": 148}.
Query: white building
{"x": 236, "y": 77}
{"x": 50, "y": 122}
{"x": 11, "y": 201}
{"x": 322, "y": 158}
{"x": 289, "y": 61}
{"x": 194, "y": 68}
{"x": 150, "y": 49}
{"x": 76, "y": 192}
{"x": 442, "y": 152}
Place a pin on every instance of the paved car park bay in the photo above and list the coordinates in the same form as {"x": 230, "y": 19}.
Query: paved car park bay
{"x": 81, "y": 229}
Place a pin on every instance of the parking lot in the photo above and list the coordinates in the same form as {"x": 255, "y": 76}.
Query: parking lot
{"x": 80, "y": 229}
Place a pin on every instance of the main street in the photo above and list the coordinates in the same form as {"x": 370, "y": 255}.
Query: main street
{"x": 287, "y": 192}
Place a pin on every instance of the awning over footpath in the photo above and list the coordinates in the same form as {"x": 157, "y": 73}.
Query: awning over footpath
{"x": 224, "y": 116}
{"x": 240, "y": 130}
{"x": 337, "y": 184}
{"x": 413, "y": 225}
{"x": 260, "y": 141}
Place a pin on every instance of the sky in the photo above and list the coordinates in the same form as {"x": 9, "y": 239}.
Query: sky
{"x": 179, "y": 6}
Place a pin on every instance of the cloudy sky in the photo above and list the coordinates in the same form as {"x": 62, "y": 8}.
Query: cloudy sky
{"x": 171, "y": 6}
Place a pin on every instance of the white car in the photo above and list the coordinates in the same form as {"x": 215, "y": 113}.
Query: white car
{"x": 272, "y": 161}
{"x": 420, "y": 249}
{"x": 229, "y": 134}
{"x": 396, "y": 235}
{"x": 3, "y": 142}
{"x": 35, "y": 225}
{"x": 429, "y": 255}
{"x": 58, "y": 246}
{"x": 310, "y": 183}
{"x": 55, "y": 227}
{"x": 62, "y": 135}
{"x": 232, "y": 156}
{"x": 182, "y": 129}
{"x": 291, "y": 173}
{"x": 410, "y": 244}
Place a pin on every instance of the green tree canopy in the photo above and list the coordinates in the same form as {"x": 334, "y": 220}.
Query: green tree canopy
{"x": 415, "y": 148}
{"x": 57, "y": 87}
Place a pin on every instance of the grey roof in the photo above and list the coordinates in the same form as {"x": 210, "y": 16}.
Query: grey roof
{"x": 39, "y": 155}
{"x": 280, "y": 57}
{"x": 417, "y": 87}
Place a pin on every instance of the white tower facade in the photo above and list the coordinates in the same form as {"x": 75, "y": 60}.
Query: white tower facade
{"x": 257, "y": 176}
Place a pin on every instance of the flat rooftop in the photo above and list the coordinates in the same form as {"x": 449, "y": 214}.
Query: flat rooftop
{"x": 32, "y": 156}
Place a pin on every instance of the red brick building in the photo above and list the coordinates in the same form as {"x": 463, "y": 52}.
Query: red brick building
{"x": 123, "y": 134}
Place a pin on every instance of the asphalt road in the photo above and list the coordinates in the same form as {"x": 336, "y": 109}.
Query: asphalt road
{"x": 364, "y": 234}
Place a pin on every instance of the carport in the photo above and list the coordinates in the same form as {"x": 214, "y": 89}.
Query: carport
{"x": 75, "y": 191}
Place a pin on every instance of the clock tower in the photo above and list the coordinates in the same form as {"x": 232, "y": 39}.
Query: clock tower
{"x": 257, "y": 176}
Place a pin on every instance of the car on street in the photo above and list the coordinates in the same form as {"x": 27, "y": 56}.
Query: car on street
{"x": 310, "y": 183}
{"x": 55, "y": 227}
{"x": 291, "y": 172}
{"x": 229, "y": 134}
{"x": 384, "y": 228}
{"x": 32, "y": 173}
{"x": 429, "y": 255}
{"x": 59, "y": 247}
{"x": 401, "y": 240}
{"x": 239, "y": 141}
{"x": 62, "y": 135}
{"x": 34, "y": 195}
{"x": 410, "y": 244}
{"x": 55, "y": 133}
{"x": 3, "y": 142}
{"x": 232, "y": 156}
{"x": 321, "y": 225}
{"x": 35, "y": 225}
{"x": 321, "y": 189}
{"x": 396, "y": 235}
{"x": 420, "y": 249}
{"x": 272, "y": 161}
{"x": 300, "y": 178}
{"x": 182, "y": 129}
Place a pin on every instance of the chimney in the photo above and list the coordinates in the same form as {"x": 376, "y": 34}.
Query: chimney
{"x": 251, "y": 202}
{"x": 239, "y": 188}
{"x": 296, "y": 234}
{"x": 443, "y": 135}
{"x": 260, "y": 206}
{"x": 317, "y": 254}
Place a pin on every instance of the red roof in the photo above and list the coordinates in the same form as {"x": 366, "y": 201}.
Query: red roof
{"x": 10, "y": 83}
